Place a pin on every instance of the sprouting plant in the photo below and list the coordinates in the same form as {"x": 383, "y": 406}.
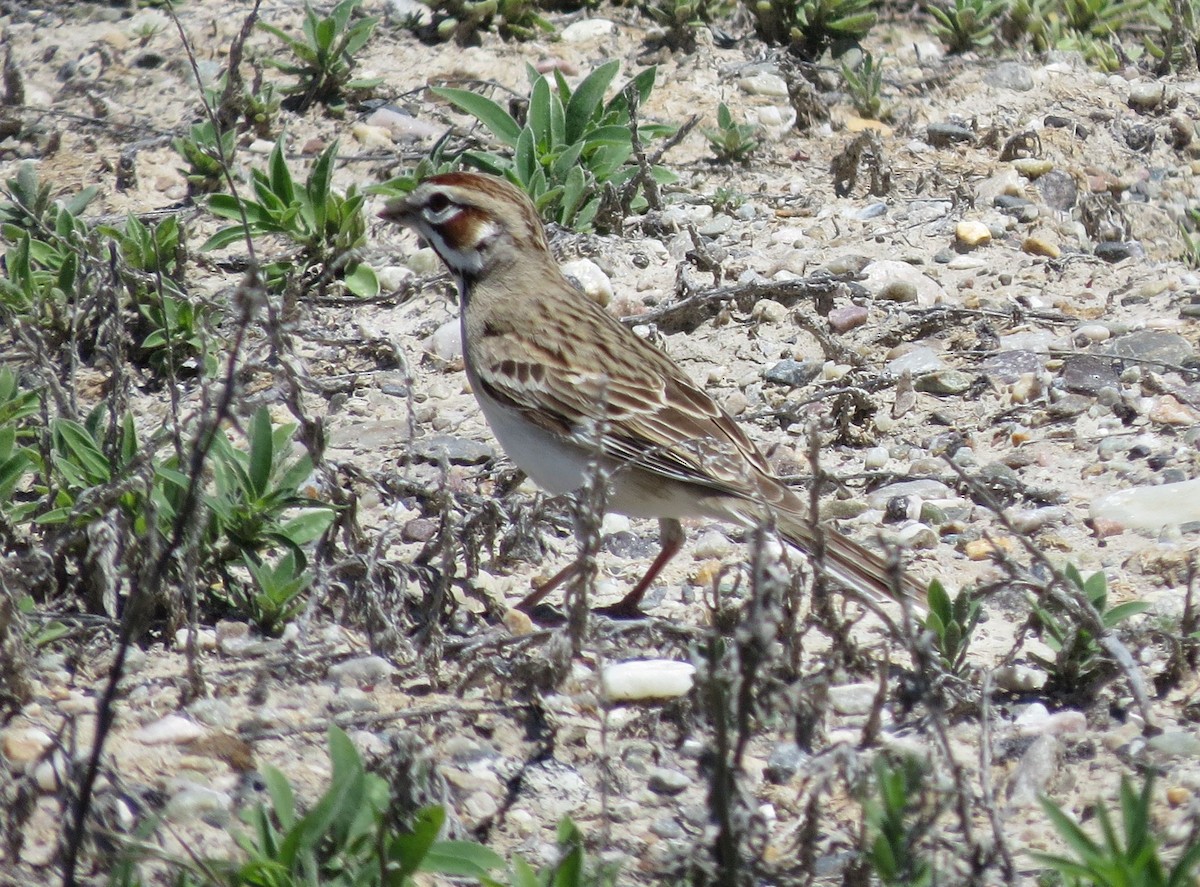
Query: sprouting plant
{"x": 256, "y": 502}
{"x": 1131, "y": 858}
{"x": 727, "y": 200}
{"x": 17, "y": 457}
{"x": 153, "y": 248}
{"x": 571, "y": 144}
{"x": 865, "y": 87}
{"x": 328, "y": 227}
{"x": 968, "y": 24}
{"x": 462, "y": 20}
{"x": 952, "y": 622}
{"x": 1079, "y": 663}
{"x": 206, "y": 155}
{"x": 30, "y": 205}
{"x": 681, "y": 18}
{"x": 731, "y": 142}
{"x": 323, "y": 59}
{"x": 898, "y": 818}
{"x": 43, "y": 631}
{"x": 809, "y": 27}
{"x": 351, "y": 835}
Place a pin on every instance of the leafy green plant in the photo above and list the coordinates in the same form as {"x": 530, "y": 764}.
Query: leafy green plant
{"x": 681, "y": 18}
{"x": 257, "y": 494}
{"x": 1079, "y": 663}
{"x": 1131, "y": 858}
{"x": 731, "y": 142}
{"x": 17, "y": 457}
{"x": 350, "y": 838}
{"x": 30, "y": 204}
{"x": 968, "y": 24}
{"x": 571, "y": 144}
{"x": 897, "y": 821}
{"x": 273, "y": 601}
{"x": 205, "y": 153}
{"x": 864, "y": 84}
{"x": 49, "y": 244}
{"x": 323, "y": 59}
{"x": 462, "y": 20}
{"x": 1092, "y": 28}
{"x": 952, "y": 622}
{"x": 327, "y": 226}
{"x": 809, "y": 27}
{"x": 42, "y": 632}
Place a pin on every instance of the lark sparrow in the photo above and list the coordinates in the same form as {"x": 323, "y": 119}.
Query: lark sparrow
{"x": 550, "y": 367}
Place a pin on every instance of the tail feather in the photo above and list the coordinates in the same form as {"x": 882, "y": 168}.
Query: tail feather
{"x": 851, "y": 563}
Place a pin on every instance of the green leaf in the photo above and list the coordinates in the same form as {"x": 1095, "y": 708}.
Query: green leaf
{"x": 262, "y": 452}
{"x": 1121, "y": 612}
{"x": 585, "y": 101}
{"x": 362, "y": 281}
{"x": 462, "y": 859}
{"x": 487, "y": 112}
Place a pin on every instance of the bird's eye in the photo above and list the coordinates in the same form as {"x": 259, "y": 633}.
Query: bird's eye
{"x": 438, "y": 202}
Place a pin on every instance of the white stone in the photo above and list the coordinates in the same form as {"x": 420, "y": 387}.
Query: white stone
{"x": 1150, "y": 508}
{"x": 171, "y": 730}
{"x": 764, "y": 84}
{"x": 885, "y": 272}
{"x": 646, "y": 679}
{"x": 588, "y": 30}
{"x": 446, "y": 341}
{"x": 594, "y": 283}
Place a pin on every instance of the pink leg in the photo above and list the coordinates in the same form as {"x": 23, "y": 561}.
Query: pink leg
{"x": 670, "y": 535}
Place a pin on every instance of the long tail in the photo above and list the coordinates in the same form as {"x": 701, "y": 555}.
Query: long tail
{"x": 851, "y": 564}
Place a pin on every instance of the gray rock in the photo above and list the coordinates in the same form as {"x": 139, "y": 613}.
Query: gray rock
{"x": 1088, "y": 373}
{"x": 363, "y": 671}
{"x": 1117, "y": 250}
{"x": 1018, "y": 207}
{"x": 853, "y": 699}
{"x": 1008, "y": 366}
{"x": 1169, "y": 348}
{"x": 917, "y": 361}
{"x": 923, "y": 488}
{"x": 665, "y": 781}
{"x": 1034, "y": 771}
{"x": 1175, "y": 744}
{"x": 455, "y": 450}
{"x": 1010, "y": 75}
{"x": 942, "y": 135}
{"x": 785, "y": 761}
{"x": 1058, "y": 189}
{"x": 793, "y": 373}
{"x": 945, "y": 382}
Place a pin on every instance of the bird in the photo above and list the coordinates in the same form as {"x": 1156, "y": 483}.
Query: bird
{"x": 561, "y": 381}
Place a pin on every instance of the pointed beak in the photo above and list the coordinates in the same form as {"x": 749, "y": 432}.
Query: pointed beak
{"x": 397, "y": 210}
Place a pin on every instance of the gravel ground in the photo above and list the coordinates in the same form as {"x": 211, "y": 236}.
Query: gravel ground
{"x": 1009, "y": 322}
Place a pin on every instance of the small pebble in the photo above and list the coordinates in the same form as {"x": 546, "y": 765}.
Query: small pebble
{"x": 971, "y": 233}
{"x": 172, "y": 730}
{"x": 642, "y": 679}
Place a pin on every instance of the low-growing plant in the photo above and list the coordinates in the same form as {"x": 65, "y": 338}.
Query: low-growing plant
{"x": 30, "y": 205}
{"x": 731, "y": 142}
{"x": 681, "y": 18}
{"x": 462, "y": 20}
{"x": 1130, "y": 858}
{"x": 952, "y": 623}
{"x": 967, "y": 24}
{"x": 571, "y": 145}
{"x": 351, "y": 836}
{"x": 257, "y": 503}
{"x": 809, "y": 27}
{"x": 323, "y": 59}
{"x": 17, "y": 457}
{"x": 1079, "y": 662}
{"x": 864, "y": 85}
{"x": 328, "y": 227}
{"x": 206, "y": 154}
{"x": 898, "y": 817}
{"x": 1092, "y": 28}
